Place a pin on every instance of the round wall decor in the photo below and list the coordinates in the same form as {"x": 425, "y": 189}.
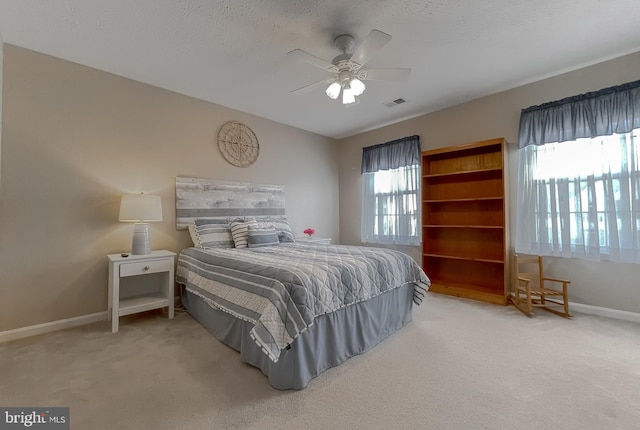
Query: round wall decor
{"x": 238, "y": 144}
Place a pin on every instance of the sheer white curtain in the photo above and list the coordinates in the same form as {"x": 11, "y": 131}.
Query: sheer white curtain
{"x": 390, "y": 192}
{"x": 581, "y": 199}
{"x": 579, "y": 177}
{"x": 390, "y": 206}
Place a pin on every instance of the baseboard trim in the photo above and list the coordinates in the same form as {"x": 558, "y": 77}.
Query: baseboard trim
{"x": 601, "y": 312}
{"x": 605, "y": 312}
{"x": 37, "y": 329}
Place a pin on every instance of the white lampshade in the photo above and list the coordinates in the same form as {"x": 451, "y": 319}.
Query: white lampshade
{"x": 140, "y": 208}
{"x": 333, "y": 90}
{"x": 357, "y": 86}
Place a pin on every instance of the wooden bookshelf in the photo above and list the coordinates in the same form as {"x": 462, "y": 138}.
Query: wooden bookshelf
{"x": 464, "y": 220}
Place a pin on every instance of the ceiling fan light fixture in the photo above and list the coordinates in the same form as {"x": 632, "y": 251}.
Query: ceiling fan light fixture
{"x": 348, "y": 67}
{"x": 348, "y": 96}
{"x": 357, "y": 86}
{"x": 333, "y": 90}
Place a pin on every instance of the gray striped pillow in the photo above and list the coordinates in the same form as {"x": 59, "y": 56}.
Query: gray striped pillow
{"x": 240, "y": 232}
{"x": 213, "y": 236}
{"x": 259, "y": 237}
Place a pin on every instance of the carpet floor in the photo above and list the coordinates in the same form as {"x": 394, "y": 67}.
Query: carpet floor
{"x": 458, "y": 365}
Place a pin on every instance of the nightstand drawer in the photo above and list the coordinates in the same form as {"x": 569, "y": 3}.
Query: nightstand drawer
{"x": 144, "y": 267}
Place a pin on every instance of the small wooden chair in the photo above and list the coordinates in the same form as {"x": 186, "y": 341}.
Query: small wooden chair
{"x": 531, "y": 288}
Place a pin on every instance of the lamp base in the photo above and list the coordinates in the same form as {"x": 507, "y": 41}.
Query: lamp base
{"x": 140, "y": 244}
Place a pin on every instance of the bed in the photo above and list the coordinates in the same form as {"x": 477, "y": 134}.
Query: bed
{"x": 291, "y": 309}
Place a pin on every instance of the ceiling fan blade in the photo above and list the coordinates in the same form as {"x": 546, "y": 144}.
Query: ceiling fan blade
{"x": 375, "y": 40}
{"x": 299, "y": 54}
{"x": 308, "y": 88}
{"x": 384, "y": 74}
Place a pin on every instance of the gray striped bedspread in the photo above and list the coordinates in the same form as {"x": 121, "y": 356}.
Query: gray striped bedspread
{"x": 282, "y": 289}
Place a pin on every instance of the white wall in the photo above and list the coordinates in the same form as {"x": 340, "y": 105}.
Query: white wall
{"x": 608, "y": 285}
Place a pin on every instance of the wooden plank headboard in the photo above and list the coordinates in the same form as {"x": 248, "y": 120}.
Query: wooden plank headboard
{"x": 212, "y": 198}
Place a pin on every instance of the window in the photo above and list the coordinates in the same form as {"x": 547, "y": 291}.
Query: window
{"x": 581, "y": 197}
{"x": 393, "y": 201}
{"x": 390, "y": 193}
{"x": 587, "y": 203}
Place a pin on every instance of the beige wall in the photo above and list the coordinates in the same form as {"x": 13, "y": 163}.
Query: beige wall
{"x": 75, "y": 138}
{"x": 1, "y": 67}
{"x": 599, "y": 284}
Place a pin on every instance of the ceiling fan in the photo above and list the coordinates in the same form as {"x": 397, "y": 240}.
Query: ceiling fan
{"x": 347, "y": 68}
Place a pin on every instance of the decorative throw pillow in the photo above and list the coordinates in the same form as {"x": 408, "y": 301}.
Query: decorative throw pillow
{"x": 259, "y": 237}
{"x": 281, "y": 226}
{"x": 240, "y": 232}
{"x": 284, "y": 236}
{"x": 211, "y": 234}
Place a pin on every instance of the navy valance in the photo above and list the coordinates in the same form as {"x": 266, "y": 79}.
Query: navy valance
{"x": 598, "y": 113}
{"x": 391, "y": 155}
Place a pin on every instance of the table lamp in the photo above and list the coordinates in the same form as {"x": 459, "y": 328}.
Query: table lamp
{"x": 141, "y": 209}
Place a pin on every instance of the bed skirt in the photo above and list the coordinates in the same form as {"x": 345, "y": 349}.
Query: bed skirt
{"x": 332, "y": 339}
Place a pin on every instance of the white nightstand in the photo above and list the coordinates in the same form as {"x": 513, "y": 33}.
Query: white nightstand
{"x": 135, "y": 299}
{"x": 316, "y": 240}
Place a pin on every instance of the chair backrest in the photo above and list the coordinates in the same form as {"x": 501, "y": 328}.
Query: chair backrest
{"x": 529, "y": 266}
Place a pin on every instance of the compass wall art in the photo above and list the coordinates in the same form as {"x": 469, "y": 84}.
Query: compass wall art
{"x": 238, "y": 144}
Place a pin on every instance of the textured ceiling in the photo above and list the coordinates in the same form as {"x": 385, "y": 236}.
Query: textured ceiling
{"x": 233, "y": 52}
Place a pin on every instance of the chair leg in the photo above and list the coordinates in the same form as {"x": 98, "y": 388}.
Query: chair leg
{"x": 556, "y": 310}
{"x": 566, "y": 299}
{"x": 515, "y": 300}
{"x": 526, "y": 307}
{"x": 520, "y": 306}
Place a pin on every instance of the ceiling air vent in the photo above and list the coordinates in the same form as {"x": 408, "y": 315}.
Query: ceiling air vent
{"x": 395, "y": 102}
